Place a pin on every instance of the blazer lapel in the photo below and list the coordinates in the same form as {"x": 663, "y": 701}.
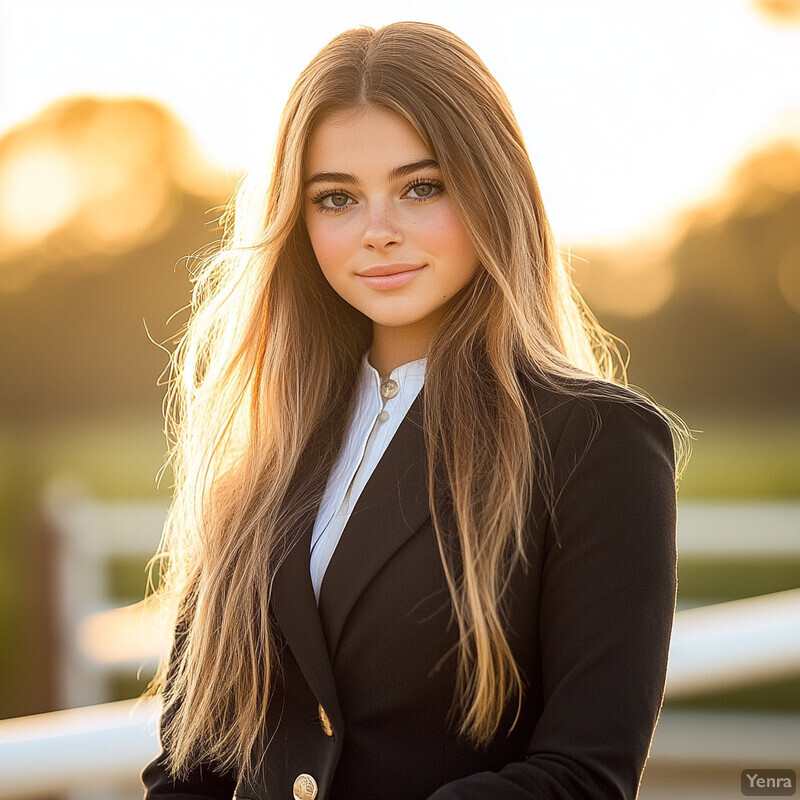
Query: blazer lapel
{"x": 391, "y": 508}
{"x": 295, "y": 608}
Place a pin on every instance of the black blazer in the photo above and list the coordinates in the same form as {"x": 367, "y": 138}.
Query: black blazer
{"x": 362, "y": 712}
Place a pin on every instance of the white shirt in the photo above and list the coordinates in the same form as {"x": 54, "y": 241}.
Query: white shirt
{"x": 380, "y": 407}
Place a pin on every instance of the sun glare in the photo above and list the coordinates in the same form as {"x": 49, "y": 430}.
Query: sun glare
{"x": 90, "y": 177}
{"x": 782, "y": 12}
{"x": 40, "y": 188}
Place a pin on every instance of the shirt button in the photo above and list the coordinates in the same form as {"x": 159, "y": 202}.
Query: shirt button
{"x": 383, "y": 416}
{"x": 389, "y": 389}
{"x": 305, "y": 787}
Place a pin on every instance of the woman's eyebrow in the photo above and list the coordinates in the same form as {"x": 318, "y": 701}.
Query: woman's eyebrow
{"x": 330, "y": 177}
{"x": 414, "y": 166}
{"x": 397, "y": 172}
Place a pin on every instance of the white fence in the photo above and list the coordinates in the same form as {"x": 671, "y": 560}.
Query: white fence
{"x": 78, "y": 750}
{"x": 95, "y": 640}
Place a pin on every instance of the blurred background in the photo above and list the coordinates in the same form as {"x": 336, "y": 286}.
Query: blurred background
{"x": 666, "y": 138}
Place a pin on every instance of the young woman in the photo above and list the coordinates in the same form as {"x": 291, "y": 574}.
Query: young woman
{"x": 422, "y": 541}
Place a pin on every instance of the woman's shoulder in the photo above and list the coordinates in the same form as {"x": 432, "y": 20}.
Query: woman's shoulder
{"x": 578, "y": 408}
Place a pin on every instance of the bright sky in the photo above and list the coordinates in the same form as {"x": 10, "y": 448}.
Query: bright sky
{"x": 630, "y": 109}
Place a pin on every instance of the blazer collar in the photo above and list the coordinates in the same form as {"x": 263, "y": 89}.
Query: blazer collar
{"x": 390, "y": 509}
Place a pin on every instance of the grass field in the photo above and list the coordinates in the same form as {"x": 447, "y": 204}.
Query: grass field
{"x": 736, "y": 458}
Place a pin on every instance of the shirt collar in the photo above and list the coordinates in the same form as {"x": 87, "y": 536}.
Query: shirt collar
{"x": 409, "y": 377}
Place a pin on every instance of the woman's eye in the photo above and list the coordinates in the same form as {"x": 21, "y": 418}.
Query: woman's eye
{"x": 332, "y": 201}
{"x": 424, "y": 190}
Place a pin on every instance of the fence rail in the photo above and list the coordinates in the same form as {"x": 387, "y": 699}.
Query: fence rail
{"x": 77, "y": 749}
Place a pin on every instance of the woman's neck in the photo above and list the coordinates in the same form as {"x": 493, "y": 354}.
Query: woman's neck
{"x": 392, "y": 347}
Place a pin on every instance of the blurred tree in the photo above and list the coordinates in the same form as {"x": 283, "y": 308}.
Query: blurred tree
{"x": 723, "y": 331}
{"x": 100, "y": 199}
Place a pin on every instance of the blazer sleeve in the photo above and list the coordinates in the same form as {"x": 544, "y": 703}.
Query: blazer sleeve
{"x": 607, "y": 605}
{"x": 203, "y": 782}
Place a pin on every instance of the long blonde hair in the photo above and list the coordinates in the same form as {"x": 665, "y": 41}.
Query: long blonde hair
{"x": 263, "y": 375}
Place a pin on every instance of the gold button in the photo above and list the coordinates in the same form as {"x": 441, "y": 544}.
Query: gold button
{"x": 325, "y": 722}
{"x": 305, "y": 787}
{"x": 327, "y": 729}
{"x": 389, "y": 389}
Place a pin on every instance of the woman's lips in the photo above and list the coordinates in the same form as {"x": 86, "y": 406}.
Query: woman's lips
{"x": 391, "y": 281}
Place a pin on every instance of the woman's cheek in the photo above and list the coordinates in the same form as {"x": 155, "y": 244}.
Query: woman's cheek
{"x": 332, "y": 244}
{"x": 445, "y": 233}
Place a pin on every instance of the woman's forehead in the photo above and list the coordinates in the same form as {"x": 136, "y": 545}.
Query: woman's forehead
{"x": 363, "y": 139}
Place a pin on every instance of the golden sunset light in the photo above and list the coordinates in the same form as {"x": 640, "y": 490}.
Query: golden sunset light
{"x": 665, "y": 139}
{"x": 782, "y": 12}
{"x": 92, "y": 178}
{"x": 630, "y": 110}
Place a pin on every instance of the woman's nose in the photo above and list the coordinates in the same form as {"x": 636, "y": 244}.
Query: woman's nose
{"x": 381, "y": 227}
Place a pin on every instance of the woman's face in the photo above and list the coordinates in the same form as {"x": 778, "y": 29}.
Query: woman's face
{"x": 385, "y": 232}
